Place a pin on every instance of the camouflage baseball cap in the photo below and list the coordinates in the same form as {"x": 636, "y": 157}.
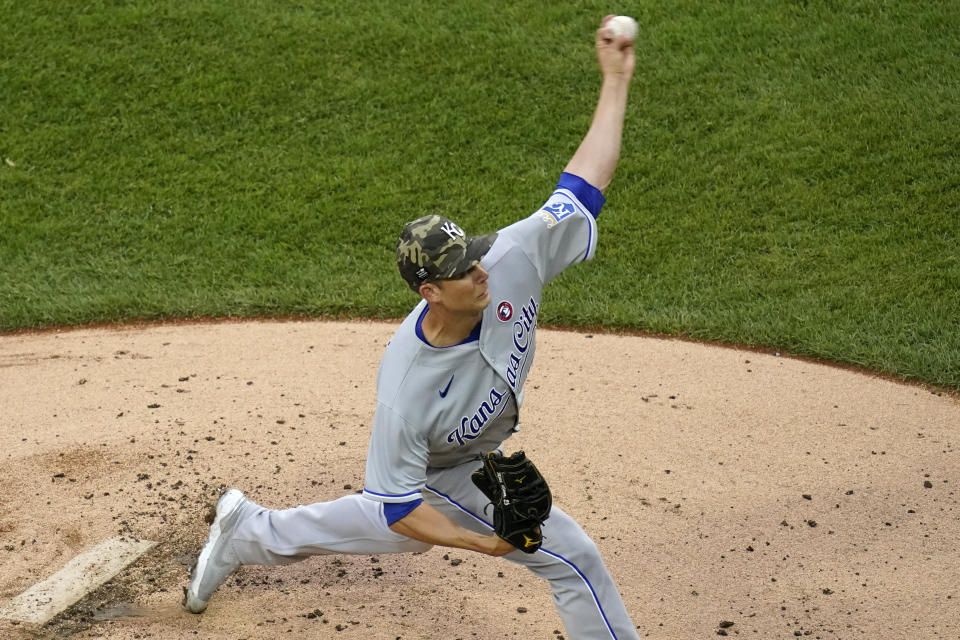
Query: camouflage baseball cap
{"x": 434, "y": 248}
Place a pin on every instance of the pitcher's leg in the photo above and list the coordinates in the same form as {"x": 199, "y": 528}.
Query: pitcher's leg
{"x": 350, "y": 524}
{"x": 585, "y": 595}
{"x": 583, "y": 590}
{"x": 244, "y": 532}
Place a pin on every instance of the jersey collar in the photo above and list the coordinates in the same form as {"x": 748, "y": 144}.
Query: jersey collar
{"x": 473, "y": 337}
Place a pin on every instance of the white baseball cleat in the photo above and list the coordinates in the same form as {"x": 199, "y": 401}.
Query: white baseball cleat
{"x": 216, "y": 560}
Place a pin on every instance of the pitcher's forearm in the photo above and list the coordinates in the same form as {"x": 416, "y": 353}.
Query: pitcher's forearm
{"x": 596, "y": 158}
{"x": 426, "y": 524}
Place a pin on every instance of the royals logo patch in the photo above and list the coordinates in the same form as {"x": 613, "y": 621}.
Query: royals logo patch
{"x": 553, "y": 213}
{"x": 504, "y": 311}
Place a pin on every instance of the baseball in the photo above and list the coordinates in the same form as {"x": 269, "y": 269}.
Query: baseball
{"x": 622, "y": 26}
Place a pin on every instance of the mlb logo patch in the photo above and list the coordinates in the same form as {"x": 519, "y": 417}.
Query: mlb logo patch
{"x": 505, "y": 311}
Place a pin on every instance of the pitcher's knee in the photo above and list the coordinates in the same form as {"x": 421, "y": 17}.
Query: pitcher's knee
{"x": 584, "y": 553}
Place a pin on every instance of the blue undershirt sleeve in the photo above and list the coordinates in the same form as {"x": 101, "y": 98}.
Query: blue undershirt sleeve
{"x": 394, "y": 511}
{"x": 591, "y": 197}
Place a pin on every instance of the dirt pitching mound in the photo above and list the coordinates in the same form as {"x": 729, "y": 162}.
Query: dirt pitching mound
{"x": 731, "y": 493}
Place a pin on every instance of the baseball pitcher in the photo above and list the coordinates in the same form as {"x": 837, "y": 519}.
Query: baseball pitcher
{"x": 449, "y": 392}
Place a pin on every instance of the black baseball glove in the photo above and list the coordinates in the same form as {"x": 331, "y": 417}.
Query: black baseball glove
{"x": 520, "y": 496}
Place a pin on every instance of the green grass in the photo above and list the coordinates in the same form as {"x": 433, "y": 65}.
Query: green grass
{"x": 790, "y": 174}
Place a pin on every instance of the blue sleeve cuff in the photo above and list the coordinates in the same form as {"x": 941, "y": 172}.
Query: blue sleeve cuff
{"x": 589, "y": 195}
{"x": 394, "y": 511}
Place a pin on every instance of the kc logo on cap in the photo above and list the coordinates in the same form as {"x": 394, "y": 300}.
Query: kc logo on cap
{"x": 452, "y": 230}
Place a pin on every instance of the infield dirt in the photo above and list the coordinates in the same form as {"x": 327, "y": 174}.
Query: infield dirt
{"x": 731, "y": 492}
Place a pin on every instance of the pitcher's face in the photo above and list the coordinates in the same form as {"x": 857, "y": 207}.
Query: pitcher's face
{"x": 466, "y": 294}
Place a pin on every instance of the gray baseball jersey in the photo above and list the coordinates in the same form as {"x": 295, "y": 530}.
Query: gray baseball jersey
{"x": 439, "y": 407}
